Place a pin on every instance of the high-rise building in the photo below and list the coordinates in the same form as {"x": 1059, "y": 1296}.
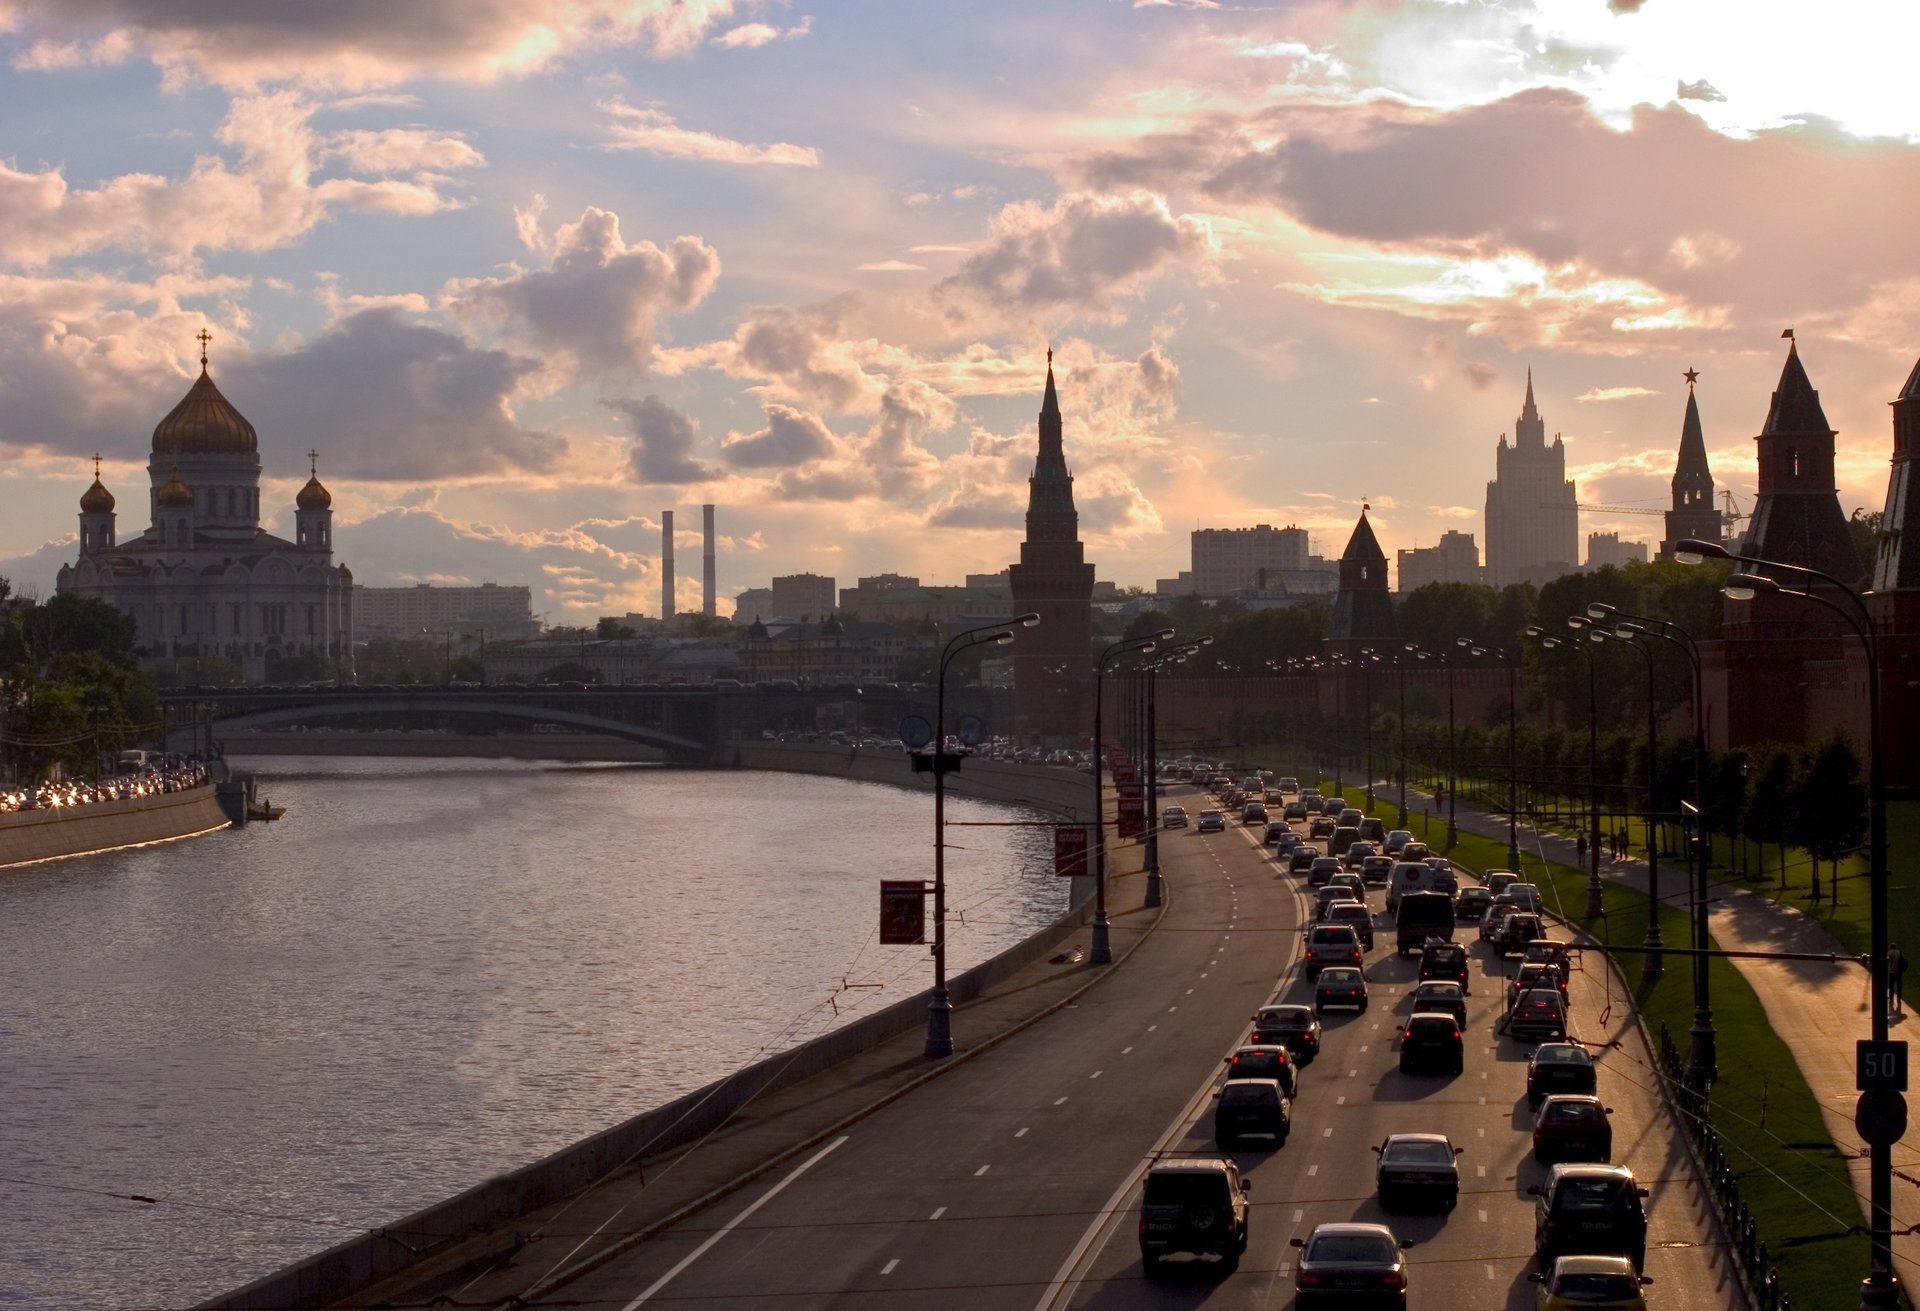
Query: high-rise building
{"x": 496, "y": 610}
{"x": 802, "y": 596}
{"x": 1606, "y": 550}
{"x": 1053, "y": 674}
{"x": 1533, "y": 519}
{"x": 754, "y": 603}
{"x": 1455, "y": 559}
{"x": 1227, "y": 560}
{"x": 1692, "y": 515}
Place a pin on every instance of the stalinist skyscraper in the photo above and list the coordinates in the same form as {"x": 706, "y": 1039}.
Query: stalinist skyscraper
{"x": 1533, "y": 521}
{"x": 1053, "y": 661}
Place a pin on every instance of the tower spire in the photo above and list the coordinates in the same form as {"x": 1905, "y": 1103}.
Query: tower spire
{"x": 203, "y": 336}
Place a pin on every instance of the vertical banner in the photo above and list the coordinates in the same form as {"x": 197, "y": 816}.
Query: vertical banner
{"x": 903, "y": 911}
{"x": 1069, "y": 851}
{"x": 1133, "y": 817}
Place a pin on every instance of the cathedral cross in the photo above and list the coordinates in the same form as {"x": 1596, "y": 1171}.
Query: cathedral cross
{"x": 203, "y": 336}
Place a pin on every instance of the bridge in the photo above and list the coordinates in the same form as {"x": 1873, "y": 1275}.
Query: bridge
{"x": 693, "y": 724}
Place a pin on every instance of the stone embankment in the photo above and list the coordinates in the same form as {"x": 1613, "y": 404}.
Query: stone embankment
{"x": 33, "y": 835}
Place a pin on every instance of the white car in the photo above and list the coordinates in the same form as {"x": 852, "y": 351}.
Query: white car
{"x": 1173, "y": 817}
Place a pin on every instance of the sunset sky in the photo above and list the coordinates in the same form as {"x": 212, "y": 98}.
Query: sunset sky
{"x": 526, "y": 274}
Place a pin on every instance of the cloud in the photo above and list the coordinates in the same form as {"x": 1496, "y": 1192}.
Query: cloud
{"x": 1595, "y": 395}
{"x": 596, "y": 304}
{"x": 891, "y": 266}
{"x": 351, "y": 45}
{"x": 655, "y": 132}
{"x": 799, "y": 349}
{"x": 791, "y": 438}
{"x": 751, "y": 36}
{"x": 1700, "y": 90}
{"x": 266, "y": 197}
{"x": 1080, "y": 253}
{"x": 663, "y": 441}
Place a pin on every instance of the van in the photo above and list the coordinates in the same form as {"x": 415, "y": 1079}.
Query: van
{"x": 1342, "y": 839}
{"x": 1421, "y": 916}
{"x": 1407, "y": 876}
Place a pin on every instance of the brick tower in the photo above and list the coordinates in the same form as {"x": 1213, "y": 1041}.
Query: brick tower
{"x": 1895, "y": 600}
{"x": 1692, "y": 516}
{"x": 1053, "y": 661}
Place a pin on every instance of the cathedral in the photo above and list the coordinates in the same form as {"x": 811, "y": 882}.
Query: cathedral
{"x": 204, "y": 579}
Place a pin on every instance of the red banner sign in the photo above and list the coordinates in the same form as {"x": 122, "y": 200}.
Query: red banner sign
{"x": 1069, "y": 850}
{"x": 903, "y": 911}
{"x": 1133, "y": 817}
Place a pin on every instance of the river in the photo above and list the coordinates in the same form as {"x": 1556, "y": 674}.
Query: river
{"x": 429, "y": 972}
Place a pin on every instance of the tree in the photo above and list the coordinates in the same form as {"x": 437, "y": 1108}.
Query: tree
{"x": 1437, "y": 615}
{"x": 1831, "y": 819}
{"x": 569, "y": 671}
{"x": 610, "y": 629}
{"x": 1864, "y": 524}
{"x": 1773, "y": 788}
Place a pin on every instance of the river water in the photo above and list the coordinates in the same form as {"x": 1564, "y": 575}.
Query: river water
{"x": 429, "y": 972}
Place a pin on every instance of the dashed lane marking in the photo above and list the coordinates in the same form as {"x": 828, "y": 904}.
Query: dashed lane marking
{"x": 887, "y": 1269}
{"x": 1152, "y": 1027}
{"x": 1482, "y": 1215}
{"x": 1125, "y": 1050}
{"x": 1020, "y": 1133}
{"x": 1312, "y": 1170}
{"x": 1059, "y": 1101}
{"x": 1096, "y": 1074}
{"x": 1327, "y": 1132}
{"x": 1298, "y": 1215}
{"x": 938, "y": 1211}
{"x": 982, "y": 1170}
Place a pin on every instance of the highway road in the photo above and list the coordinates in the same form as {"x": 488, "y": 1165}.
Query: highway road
{"x": 1012, "y": 1182}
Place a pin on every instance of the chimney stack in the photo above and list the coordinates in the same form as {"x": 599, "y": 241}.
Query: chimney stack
{"x": 706, "y": 563}
{"x": 666, "y": 567}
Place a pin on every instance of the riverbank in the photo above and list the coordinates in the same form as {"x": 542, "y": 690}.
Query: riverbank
{"x": 36, "y": 835}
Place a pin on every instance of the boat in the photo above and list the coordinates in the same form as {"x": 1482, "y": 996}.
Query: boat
{"x": 263, "y": 810}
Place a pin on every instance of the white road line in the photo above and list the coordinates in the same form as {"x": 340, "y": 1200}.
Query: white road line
{"x": 1298, "y": 1215}
{"x": 1312, "y": 1170}
{"x": 1482, "y": 1169}
{"x": 938, "y": 1211}
{"x": 1490, "y": 1275}
{"x": 730, "y": 1225}
{"x": 1059, "y": 1101}
{"x": 1020, "y": 1133}
{"x": 1340, "y": 1101}
{"x": 1363, "y": 1046}
{"x": 1189, "y": 992}
{"x": 1327, "y": 1132}
{"x": 887, "y": 1269}
{"x": 1152, "y": 1027}
{"x": 1481, "y": 1132}
{"x": 1172, "y": 1009}
{"x": 1125, "y": 1050}
{"x": 982, "y": 1170}
{"x": 1096, "y": 1074}
{"x": 1353, "y": 1074}
{"x": 1482, "y": 1215}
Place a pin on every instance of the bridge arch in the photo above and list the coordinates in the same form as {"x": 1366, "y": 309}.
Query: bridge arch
{"x": 339, "y": 706}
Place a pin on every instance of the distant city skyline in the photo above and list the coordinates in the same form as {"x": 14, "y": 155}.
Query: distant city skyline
{"x": 528, "y": 283}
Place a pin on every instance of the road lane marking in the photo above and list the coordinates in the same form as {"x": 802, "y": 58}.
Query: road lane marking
{"x": 938, "y": 1211}
{"x": 732, "y": 1224}
{"x": 1353, "y": 1074}
{"x": 1312, "y": 1170}
{"x": 1482, "y": 1169}
{"x": 1152, "y": 1027}
{"x": 1327, "y": 1132}
{"x": 1363, "y": 1046}
{"x": 1020, "y": 1133}
{"x": 1482, "y": 1215}
{"x": 1096, "y": 1074}
{"x": 1172, "y": 1009}
{"x": 1189, "y": 992}
{"x": 1125, "y": 1050}
{"x": 982, "y": 1170}
{"x": 1298, "y": 1215}
{"x": 1481, "y": 1132}
{"x": 1059, "y": 1101}
{"x": 887, "y": 1269}
{"x": 1340, "y": 1101}
{"x": 1490, "y": 1275}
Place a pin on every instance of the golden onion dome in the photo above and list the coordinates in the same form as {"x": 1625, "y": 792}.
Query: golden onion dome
{"x": 96, "y": 499}
{"x": 313, "y": 496}
{"x": 175, "y": 494}
{"x": 204, "y": 423}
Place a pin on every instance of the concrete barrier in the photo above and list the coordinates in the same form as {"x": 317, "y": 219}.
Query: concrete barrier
{"x": 352, "y": 1267}
{"x": 34, "y": 835}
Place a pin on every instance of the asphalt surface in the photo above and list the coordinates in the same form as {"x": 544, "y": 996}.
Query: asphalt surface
{"x": 1012, "y": 1179}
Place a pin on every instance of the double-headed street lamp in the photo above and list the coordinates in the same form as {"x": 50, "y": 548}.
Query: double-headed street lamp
{"x": 1881, "y": 1290}
{"x": 1152, "y": 668}
{"x": 1651, "y": 963}
{"x": 1102, "y": 950}
{"x": 940, "y": 1008}
{"x": 1511, "y": 659}
{"x": 1453, "y": 748}
{"x": 1595, "y": 901}
{"x": 1402, "y": 658}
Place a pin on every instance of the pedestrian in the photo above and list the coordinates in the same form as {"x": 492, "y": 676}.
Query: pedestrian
{"x": 1580, "y": 845}
{"x": 1896, "y": 967}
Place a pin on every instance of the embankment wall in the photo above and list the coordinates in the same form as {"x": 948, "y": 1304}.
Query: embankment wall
{"x": 34, "y": 835}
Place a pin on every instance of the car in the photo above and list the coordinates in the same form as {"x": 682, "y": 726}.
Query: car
{"x": 1537, "y": 975}
{"x": 1194, "y": 1205}
{"x": 1295, "y": 811}
{"x": 1329, "y": 894}
{"x": 1253, "y": 812}
{"x": 1396, "y": 840}
{"x": 1525, "y": 895}
{"x": 1358, "y": 854}
{"x": 1418, "y": 850}
{"x": 1560, "y": 1067}
{"x": 1440, "y": 995}
{"x": 1589, "y": 1210}
{"x": 1538, "y": 1015}
{"x": 1266, "y": 1060}
{"x": 1572, "y": 1127}
{"x": 1471, "y": 903}
{"x": 1288, "y": 843}
{"x": 1348, "y": 1266}
{"x": 1250, "y": 1108}
{"x": 1333, "y": 804}
{"x": 1331, "y": 944}
{"x": 1495, "y": 920}
{"x": 1356, "y": 914}
{"x": 1446, "y": 961}
{"x": 1374, "y": 869}
{"x": 1520, "y": 928}
{"x": 1320, "y": 826}
{"x": 1275, "y": 797}
{"x": 1496, "y": 880}
{"x": 1288, "y": 783}
{"x": 1350, "y": 817}
{"x": 1340, "y": 985}
{"x": 1549, "y": 951}
{"x": 1445, "y": 879}
{"x": 1590, "y": 1283}
{"x": 1321, "y": 870}
{"x": 1432, "y": 1040}
{"x": 1300, "y": 859}
{"x": 1352, "y": 882}
{"x": 1173, "y": 817}
{"x": 1373, "y": 830}
{"x": 1212, "y": 821}
{"x": 1419, "y": 1167}
{"x": 1288, "y": 1025}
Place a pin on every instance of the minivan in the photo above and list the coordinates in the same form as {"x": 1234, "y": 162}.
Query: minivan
{"x": 1590, "y": 1210}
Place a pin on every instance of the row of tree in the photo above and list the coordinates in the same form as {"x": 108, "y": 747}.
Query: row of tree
{"x": 69, "y": 685}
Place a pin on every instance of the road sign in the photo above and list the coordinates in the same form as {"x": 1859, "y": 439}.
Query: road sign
{"x": 972, "y": 729}
{"x": 1880, "y": 1066}
{"x": 903, "y": 911}
{"x": 1069, "y": 850}
{"x": 1880, "y": 1118}
{"x": 915, "y": 732}
{"x": 1133, "y": 817}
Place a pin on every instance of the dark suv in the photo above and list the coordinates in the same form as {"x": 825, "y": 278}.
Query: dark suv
{"x": 1246, "y": 1108}
{"x": 1559, "y": 1067}
{"x": 1445, "y": 960}
{"x": 1198, "y": 1205}
{"x": 1589, "y": 1210}
{"x": 1432, "y": 1040}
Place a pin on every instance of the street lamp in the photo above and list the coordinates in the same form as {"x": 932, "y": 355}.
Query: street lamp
{"x": 1702, "y": 1059}
{"x": 1174, "y": 656}
{"x": 1453, "y": 747}
{"x": 1881, "y": 1290}
{"x": 940, "y": 1008}
{"x": 1400, "y": 659}
{"x": 1651, "y": 964}
{"x": 1595, "y": 898}
{"x": 1512, "y": 661}
{"x": 1102, "y": 951}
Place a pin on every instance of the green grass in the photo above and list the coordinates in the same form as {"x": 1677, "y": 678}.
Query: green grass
{"x": 1791, "y": 1175}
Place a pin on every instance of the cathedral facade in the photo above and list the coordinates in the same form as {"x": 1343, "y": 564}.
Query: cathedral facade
{"x": 204, "y": 580}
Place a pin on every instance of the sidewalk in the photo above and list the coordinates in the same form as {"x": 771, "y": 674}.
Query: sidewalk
{"x": 1825, "y": 1007}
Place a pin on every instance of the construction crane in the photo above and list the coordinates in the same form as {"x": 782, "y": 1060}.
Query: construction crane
{"x": 1729, "y": 512}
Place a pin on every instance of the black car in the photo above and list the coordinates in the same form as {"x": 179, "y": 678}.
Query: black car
{"x": 1266, "y": 1060}
{"x": 1589, "y": 1210}
{"x": 1471, "y": 904}
{"x": 1374, "y": 869}
{"x": 1417, "y": 1166}
{"x": 1321, "y": 826}
{"x": 1250, "y": 1108}
{"x": 1521, "y": 928}
{"x": 1357, "y": 915}
{"x": 1431, "y": 1040}
{"x": 1294, "y": 1027}
{"x": 1560, "y": 1067}
{"x": 1445, "y": 960}
{"x": 1198, "y": 1205}
{"x": 1301, "y": 860}
{"x": 1276, "y": 829}
{"x": 1440, "y": 995}
{"x": 1349, "y": 1267}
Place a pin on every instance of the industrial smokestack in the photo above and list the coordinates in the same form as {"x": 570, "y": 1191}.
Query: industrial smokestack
{"x": 706, "y": 563}
{"x": 666, "y": 567}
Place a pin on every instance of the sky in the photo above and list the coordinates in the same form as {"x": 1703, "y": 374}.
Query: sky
{"x": 525, "y": 276}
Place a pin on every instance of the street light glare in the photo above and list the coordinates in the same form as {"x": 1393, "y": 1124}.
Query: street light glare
{"x": 1002, "y": 639}
{"x": 1599, "y": 610}
{"x": 1163, "y": 635}
{"x": 1027, "y": 620}
{"x": 1691, "y": 550}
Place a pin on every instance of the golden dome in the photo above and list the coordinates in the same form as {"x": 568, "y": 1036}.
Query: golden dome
{"x": 96, "y": 499}
{"x": 313, "y": 496}
{"x": 204, "y": 423}
{"x": 175, "y": 493}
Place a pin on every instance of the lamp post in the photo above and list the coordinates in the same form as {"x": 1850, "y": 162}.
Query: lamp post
{"x": 940, "y": 1008}
{"x": 1401, "y": 659}
{"x": 1702, "y": 1054}
{"x": 1367, "y": 658}
{"x": 1102, "y": 950}
{"x": 1512, "y": 661}
{"x": 1651, "y": 964}
{"x": 1595, "y": 898}
{"x": 1880, "y": 1291}
{"x": 1152, "y": 668}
